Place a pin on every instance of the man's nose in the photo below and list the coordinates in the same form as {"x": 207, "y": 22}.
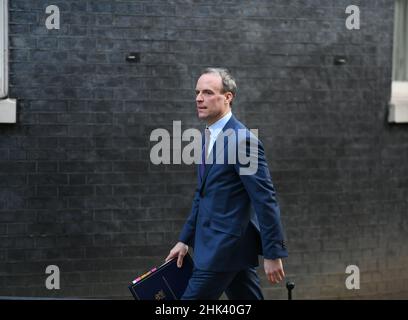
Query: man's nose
{"x": 199, "y": 97}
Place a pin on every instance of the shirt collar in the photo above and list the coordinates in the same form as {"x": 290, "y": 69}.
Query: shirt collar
{"x": 217, "y": 126}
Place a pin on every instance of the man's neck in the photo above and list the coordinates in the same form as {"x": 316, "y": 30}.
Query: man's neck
{"x": 218, "y": 118}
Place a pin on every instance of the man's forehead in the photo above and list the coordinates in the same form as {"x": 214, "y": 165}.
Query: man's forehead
{"x": 209, "y": 80}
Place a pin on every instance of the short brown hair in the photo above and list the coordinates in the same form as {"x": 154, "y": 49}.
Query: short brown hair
{"x": 228, "y": 82}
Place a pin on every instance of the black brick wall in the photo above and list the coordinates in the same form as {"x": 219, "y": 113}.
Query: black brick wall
{"x": 77, "y": 188}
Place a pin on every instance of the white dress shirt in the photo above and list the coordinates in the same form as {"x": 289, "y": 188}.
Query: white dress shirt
{"x": 216, "y": 128}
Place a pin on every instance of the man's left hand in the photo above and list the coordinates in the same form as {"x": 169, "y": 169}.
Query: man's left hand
{"x": 274, "y": 270}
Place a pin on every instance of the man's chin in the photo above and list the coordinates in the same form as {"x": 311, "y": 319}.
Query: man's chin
{"x": 202, "y": 116}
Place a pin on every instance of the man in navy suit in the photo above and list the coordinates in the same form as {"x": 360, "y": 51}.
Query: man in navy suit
{"x": 235, "y": 215}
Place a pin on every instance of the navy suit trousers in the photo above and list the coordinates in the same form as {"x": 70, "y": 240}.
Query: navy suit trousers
{"x": 210, "y": 285}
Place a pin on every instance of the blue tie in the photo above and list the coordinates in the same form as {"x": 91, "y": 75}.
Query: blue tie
{"x": 202, "y": 164}
{"x": 204, "y": 151}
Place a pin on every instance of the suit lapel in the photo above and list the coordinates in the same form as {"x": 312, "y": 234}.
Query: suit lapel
{"x": 214, "y": 152}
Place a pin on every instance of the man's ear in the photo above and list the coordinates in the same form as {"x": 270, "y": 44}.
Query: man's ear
{"x": 229, "y": 96}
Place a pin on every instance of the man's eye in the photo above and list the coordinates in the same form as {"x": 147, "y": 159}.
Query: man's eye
{"x": 204, "y": 92}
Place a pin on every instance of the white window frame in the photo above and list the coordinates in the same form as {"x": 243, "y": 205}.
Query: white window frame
{"x": 3, "y": 49}
{"x": 8, "y": 107}
{"x": 398, "y": 111}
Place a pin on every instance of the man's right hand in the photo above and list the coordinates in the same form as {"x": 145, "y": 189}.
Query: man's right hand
{"x": 179, "y": 251}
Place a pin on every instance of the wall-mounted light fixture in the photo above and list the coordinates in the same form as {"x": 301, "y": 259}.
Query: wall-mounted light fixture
{"x": 339, "y": 60}
{"x": 133, "y": 57}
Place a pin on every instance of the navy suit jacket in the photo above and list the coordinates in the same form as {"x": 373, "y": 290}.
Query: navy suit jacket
{"x": 234, "y": 217}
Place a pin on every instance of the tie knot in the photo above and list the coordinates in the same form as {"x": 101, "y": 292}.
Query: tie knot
{"x": 207, "y": 133}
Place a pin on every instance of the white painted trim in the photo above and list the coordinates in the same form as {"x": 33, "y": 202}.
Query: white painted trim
{"x": 3, "y": 48}
{"x": 8, "y": 111}
{"x": 398, "y": 112}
